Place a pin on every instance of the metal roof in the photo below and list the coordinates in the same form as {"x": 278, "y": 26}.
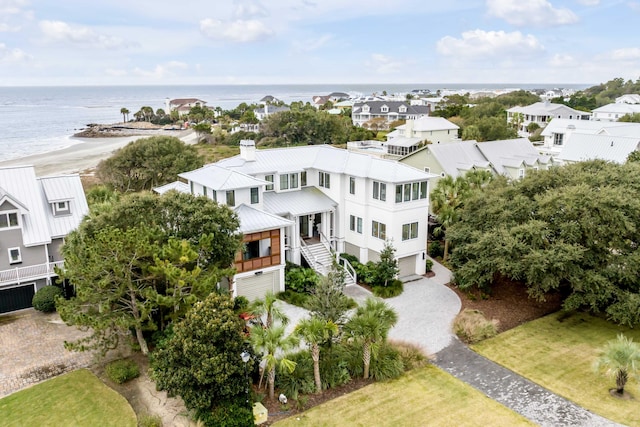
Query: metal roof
{"x": 590, "y": 126}
{"x": 220, "y": 178}
{"x": 325, "y": 158}
{"x": 178, "y": 186}
{"x": 511, "y": 153}
{"x": 426, "y": 124}
{"x": 60, "y": 189}
{"x": 253, "y": 220}
{"x": 304, "y": 202}
{"x": 580, "y": 147}
{"x": 546, "y": 109}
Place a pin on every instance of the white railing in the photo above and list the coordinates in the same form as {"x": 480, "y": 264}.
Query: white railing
{"x": 33, "y": 272}
{"x": 348, "y": 268}
{"x": 325, "y": 242}
{"x": 311, "y": 258}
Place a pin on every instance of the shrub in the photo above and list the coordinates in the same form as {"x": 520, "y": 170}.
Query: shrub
{"x": 412, "y": 355}
{"x": 333, "y": 369}
{"x": 300, "y": 380}
{"x": 123, "y": 370}
{"x": 294, "y": 298}
{"x": 387, "y": 364}
{"x": 240, "y": 304}
{"x": 227, "y": 414}
{"x": 394, "y": 289}
{"x": 45, "y": 299}
{"x": 353, "y": 260}
{"x": 300, "y": 279}
{"x": 148, "y": 420}
{"x": 435, "y": 249}
{"x": 471, "y": 326}
{"x": 428, "y": 265}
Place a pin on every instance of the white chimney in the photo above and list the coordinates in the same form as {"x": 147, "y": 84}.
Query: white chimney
{"x": 408, "y": 129}
{"x": 248, "y": 150}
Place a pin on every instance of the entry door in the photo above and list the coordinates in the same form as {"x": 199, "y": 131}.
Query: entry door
{"x": 304, "y": 225}
{"x": 317, "y": 221}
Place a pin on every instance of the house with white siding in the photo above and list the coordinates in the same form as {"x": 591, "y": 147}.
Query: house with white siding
{"x": 36, "y": 214}
{"x": 542, "y": 113}
{"x": 303, "y": 204}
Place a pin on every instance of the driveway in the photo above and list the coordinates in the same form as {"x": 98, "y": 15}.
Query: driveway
{"x": 426, "y": 310}
{"x": 32, "y": 349}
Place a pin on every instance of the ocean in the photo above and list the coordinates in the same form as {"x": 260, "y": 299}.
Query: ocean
{"x": 35, "y": 120}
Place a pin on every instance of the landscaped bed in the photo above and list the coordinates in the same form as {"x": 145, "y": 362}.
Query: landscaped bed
{"x": 78, "y": 398}
{"x": 425, "y": 396}
{"x": 558, "y": 353}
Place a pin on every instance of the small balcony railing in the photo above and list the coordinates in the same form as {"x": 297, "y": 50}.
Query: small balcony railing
{"x": 33, "y": 272}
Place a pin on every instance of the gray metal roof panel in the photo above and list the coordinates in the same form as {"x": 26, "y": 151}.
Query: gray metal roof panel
{"x": 253, "y": 220}
{"x": 64, "y": 188}
{"x": 303, "y": 202}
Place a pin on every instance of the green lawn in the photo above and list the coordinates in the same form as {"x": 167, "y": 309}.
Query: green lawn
{"x": 425, "y": 396}
{"x": 559, "y": 356}
{"x": 78, "y": 398}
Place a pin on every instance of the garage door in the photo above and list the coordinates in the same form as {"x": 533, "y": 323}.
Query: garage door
{"x": 16, "y": 298}
{"x": 407, "y": 266}
{"x": 255, "y": 287}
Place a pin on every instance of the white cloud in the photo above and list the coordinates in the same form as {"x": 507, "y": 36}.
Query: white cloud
{"x": 12, "y": 7}
{"x": 626, "y": 54}
{"x": 15, "y": 55}
{"x": 480, "y": 43}
{"x": 61, "y": 32}
{"x": 562, "y": 61}
{"x": 634, "y": 5}
{"x": 589, "y": 2}
{"x": 310, "y": 45}
{"x": 238, "y": 31}
{"x": 538, "y": 13}
{"x": 383, "y": 64}
{"x": 6, "y": 28}
{"x": 250, "y": 9}
{"x": 161, "y": 70}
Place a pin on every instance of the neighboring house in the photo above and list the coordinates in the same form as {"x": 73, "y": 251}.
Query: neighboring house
{"x": 303, "y": 201}
{"x": 389, "y": 111}
{"x": 269, "y": 100}
{"x": 511, "y": 158}
{"x": 433, "y": 129}
{"x": 542, "y": 113}
{"x": 580, "y": 147}
{"x": 267, "y": 110}
{"x": 184, "y": 105}
{"x": 558, "y": 131}
{"x": 319, "y": 100}
{"x": 629, "y": 98}
{"x": 613, "y": 112}
{"x": 35, "y": 216}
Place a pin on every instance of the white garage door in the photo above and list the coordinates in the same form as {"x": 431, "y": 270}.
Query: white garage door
{"x": 407, "y": 266}
{"x": 255, "y": 287}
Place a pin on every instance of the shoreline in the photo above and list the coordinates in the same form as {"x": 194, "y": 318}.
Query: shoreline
{"x": 82, "y": 157}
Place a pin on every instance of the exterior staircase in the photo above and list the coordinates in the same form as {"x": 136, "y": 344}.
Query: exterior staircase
{"x": 319, "y": 256}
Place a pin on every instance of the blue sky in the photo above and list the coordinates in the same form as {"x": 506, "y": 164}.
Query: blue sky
{"x": 73, "y": 42}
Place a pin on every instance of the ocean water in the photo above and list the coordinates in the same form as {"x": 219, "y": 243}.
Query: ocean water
{"x": 35, "y": 120}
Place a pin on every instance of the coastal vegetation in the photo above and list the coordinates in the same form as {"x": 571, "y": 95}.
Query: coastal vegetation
{"x": 143, "y": 263}
{"x": 147, "y": 163}
{"x": 601, "y": 94}
{"x": 547, "y": 231}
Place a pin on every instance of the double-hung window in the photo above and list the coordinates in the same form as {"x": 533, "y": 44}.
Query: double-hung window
{"x": 410, "y": 231}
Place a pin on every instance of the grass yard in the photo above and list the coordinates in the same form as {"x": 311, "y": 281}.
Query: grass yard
{"x": 559, "y": 354}
{"x": 78, "y": 398}
{"x": 425, "y": 396}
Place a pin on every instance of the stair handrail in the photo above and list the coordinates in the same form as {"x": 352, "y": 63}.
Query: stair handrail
{"x": 348, "y": 268}
{"x": 317, "y": 265}
{"x": 325, "y": 241}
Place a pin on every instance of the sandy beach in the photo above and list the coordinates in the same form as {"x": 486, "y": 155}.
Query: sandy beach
{"x": 84, "y": 155}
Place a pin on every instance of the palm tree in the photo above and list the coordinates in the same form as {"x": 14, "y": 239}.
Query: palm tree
{"x": 272, "y": 343}
{"x": 124, "y": 113}
{"x": 314, "y": 331}
{"x": 370, "y": 326}
{"x": 266, "y": 307}
{"x": 620, "y": 358}
{"x": 447, "y": 199}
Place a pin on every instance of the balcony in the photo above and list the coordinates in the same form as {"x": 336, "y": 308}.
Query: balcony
{"x": 20, "y": 275}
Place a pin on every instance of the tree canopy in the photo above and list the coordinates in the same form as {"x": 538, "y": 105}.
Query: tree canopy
{"x": 147, "y": 163}
{"x": 143, "y": 261}
{"x": 572, "y": 230}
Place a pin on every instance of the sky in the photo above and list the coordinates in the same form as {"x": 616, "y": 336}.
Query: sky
{"x": 135, "y": 42}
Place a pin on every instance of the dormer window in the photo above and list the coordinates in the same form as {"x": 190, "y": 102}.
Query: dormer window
{"x": 384, "y": 109}
{"x": 402, "y": 109}
{"x": 61, "y": 208}
{"x": 365, "y": 109}
{"x": 9, "y": 220}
